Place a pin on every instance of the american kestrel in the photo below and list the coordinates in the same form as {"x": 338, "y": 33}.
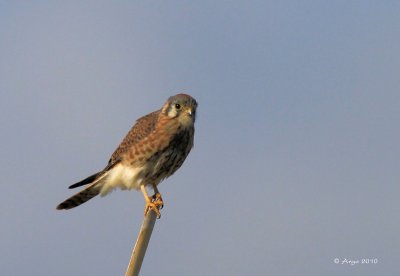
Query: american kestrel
{"x": 153, "y": 149}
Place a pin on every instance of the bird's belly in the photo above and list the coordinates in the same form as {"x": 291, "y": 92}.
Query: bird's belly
{"x": 123, "y": 177}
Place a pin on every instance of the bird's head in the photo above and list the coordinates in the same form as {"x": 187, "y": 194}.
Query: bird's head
{"x": 182, "y": 107}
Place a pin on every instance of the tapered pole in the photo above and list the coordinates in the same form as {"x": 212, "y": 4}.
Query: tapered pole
{"x": 141, "y": 244}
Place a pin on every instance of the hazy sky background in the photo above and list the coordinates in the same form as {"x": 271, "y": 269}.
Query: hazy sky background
{"x": 296, "y": 158}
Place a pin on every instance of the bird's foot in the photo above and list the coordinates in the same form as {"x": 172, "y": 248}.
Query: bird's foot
{"x": 157, "y": 199}
{"x": 152, "y": 206}
{"x": 154, "y": 203}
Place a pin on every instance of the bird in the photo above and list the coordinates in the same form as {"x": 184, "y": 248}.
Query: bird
{"x": 154, "y": 149}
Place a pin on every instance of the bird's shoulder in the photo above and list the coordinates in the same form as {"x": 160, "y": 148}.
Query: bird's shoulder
{"x": 140, "y": 130}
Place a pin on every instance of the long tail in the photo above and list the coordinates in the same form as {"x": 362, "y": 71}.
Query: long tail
{"x": 95, "y": 183}
{"x": 81, "y": 197}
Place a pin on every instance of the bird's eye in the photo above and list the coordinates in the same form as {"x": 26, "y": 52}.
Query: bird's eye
{"x": 177, "y": 106}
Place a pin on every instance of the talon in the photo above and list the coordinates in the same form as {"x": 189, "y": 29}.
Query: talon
{"x": 157, "y": 200}
{"x": 154, "y": 202}
{"x": 152, "y": 206}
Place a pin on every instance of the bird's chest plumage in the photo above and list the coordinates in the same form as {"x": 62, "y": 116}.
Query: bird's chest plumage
{"x": 166, "y": 161}
{"x": 160, "y": 154}
{"x": 144, "y": 166}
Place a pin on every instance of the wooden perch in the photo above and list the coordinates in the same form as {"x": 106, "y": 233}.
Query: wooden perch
{"x": 141, "y": 244}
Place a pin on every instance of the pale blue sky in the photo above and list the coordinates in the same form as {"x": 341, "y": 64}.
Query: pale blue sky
{"x": 296, "y": 158}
